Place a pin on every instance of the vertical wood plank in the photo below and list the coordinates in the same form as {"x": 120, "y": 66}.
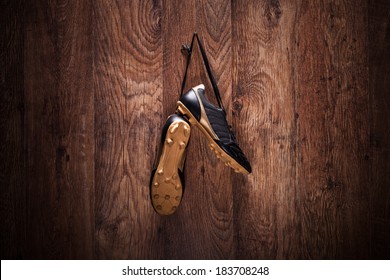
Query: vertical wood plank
{"x": 332, "y": 104}
{"x": 266, "y": 207}
{"x": 379, "y": 55}
{"x": 214, "y": 191}
{"x": 207, "y": 202}
{"x": 12, "y": 160}
{"x": 178, "y": 26}
{"x": 128, "y": 87}
{"x": 59, "y": 127}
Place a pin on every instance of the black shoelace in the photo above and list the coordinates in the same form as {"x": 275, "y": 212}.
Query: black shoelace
{"x": 188, "y": 49}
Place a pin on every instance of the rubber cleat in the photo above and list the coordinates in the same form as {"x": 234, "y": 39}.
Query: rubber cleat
{"x": 169, "y": 141}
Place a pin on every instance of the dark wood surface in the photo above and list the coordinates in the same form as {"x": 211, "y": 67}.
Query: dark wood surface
{"x": 379, "y": 87}
{"x": 13, "y": 178}
{"x": 59, "y": 130}
{"x": 87, "y": 85}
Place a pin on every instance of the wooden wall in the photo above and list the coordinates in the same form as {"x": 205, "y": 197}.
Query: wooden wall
{"x": 87, "y": 85}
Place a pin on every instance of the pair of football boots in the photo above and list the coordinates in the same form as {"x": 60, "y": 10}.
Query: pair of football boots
{"x": 193, "y": 109}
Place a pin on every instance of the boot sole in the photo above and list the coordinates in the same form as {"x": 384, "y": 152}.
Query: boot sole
{"x": 218, "y": 151}
{"x": 166, "y": 188}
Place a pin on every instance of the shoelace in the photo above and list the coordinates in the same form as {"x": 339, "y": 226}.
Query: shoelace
{"x": 188, "y": 49}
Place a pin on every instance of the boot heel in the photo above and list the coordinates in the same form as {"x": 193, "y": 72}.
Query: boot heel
{"x": 182, "y": 109}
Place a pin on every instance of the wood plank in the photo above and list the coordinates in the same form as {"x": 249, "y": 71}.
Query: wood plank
{"x": 266, "y": 215}
{"x": 175, "y": 237}
{"x": 207, "y": 202}
{"x": 12, "y": 163}
{"x": 379, "y": 56}
{"x": 128, "y": 101}
{"x": 59, "y": 127}
{"x": 333, "y": 106}
{"x": 215, "y": 193}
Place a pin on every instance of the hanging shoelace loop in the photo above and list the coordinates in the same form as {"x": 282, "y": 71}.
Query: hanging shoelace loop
{"x": 187, "y": 49}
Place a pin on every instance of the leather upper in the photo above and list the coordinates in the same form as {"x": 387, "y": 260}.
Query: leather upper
{"x": 190, "y": 100}
{"x": 217, "y": 119}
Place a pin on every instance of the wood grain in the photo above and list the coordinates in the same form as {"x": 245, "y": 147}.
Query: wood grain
{"x": 215, "y": 26}
{"x": 59, "y": 127}
{"x": 12, "y": 164}
{"x": 128, "y": 88}
{"x": 178, "y": 23}
{"x": 379, "y": 58}
{"x": 207, "y": 202}
{"x": 263, "y": 110}
{"x": 333, "y": 108}
{"x": 86, "y": 87}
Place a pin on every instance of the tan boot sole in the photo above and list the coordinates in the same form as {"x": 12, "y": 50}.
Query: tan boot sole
{"x": 221, "y": 154}
{"x": 166, "y": 190}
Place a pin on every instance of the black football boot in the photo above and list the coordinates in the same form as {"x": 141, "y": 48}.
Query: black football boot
{"x": 167, "y": 181}
{"x": 211, "y": 120}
